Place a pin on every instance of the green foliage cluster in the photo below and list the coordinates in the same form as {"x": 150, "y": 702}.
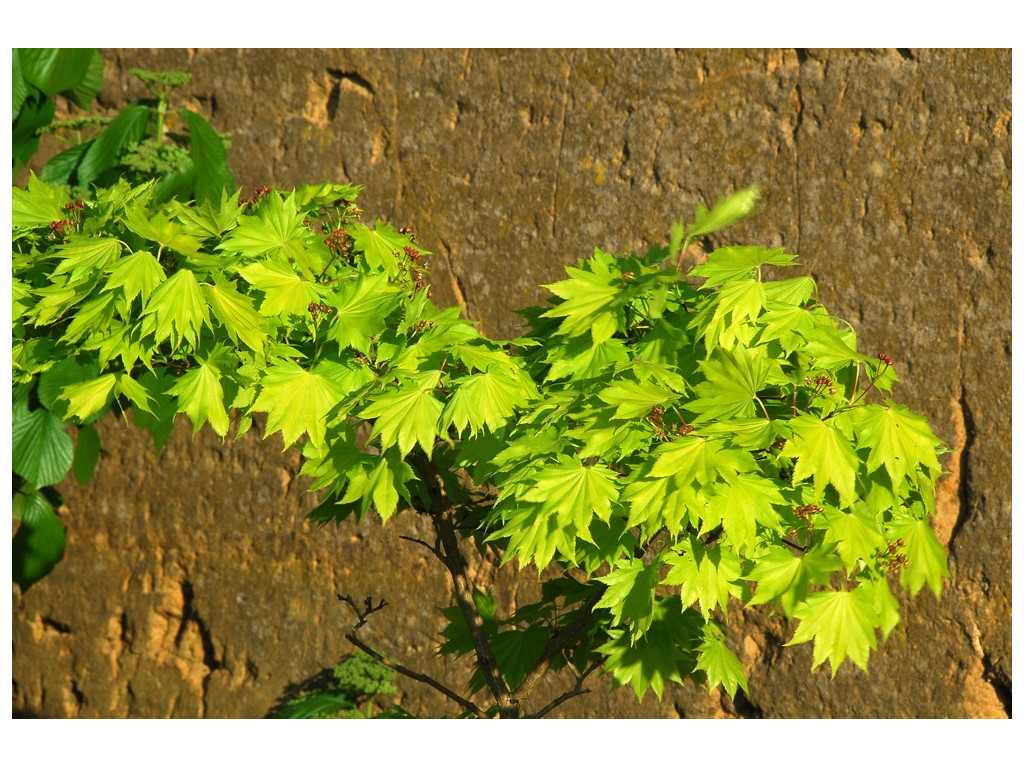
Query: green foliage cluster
{"x": 134, "y": 145}
{"x": 352, "y": 693}
{"x": 658, "y": 444}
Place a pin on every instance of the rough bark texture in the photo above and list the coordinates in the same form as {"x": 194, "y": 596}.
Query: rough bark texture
{"x": 192, "y": 586}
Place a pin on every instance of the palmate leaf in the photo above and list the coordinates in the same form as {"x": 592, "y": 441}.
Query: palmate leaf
{"x": 297, "y": 401}
{"x": 405, "y": 418}
{"x": 719, "y": 663}
{"x": 82, "y": 255}
{"x": 208, "y": 220}
{"x": 783, "y": 576}
{"x": 575, "y": 492}
{"x": 161, "y": 230}
{"x": 36, "y": 205}
{"x": 630, "y": 594}
{"x": 136, "y": 275}
{"x": 744, "y": 502}
{"x": 277, "y": 230}
{"x": 379, "y": 245}
{"x": 738, "y": 262}
{"x": 706, "y": 576}
{"x": 486, "y": 399}
{"x": 634, "y": 399}
{"x": 926, "y": 557}
{"x": 88, "y": 398}
{"x": 897, "y": 439}
{"x": 236, "y": 314}
{"x": 856, "y": 534}
{"x": 583, "y": 358}
{"x": 841, "y": 624}
{"x": 285, "y": 292}
{"x": 201, "y": 396}
{"x": 823, "y": 451}
{"x": 379, "y": 481}
{"x": 667, "y": 651}
{"x": 593, "y": 300}
{"x": 733, "y": 381}
{"x": 177, "y": 309}
{"x": 701, "y": 459}
{"x": 361, "y": 310}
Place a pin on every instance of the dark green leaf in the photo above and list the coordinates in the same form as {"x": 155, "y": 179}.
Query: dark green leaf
{"x": 211, "y": 161}
{"x": 38, "y": 544}
{"x": 41, "y": 449}
{"x": 87, "y": 453}
{"x": 126, "y": 129}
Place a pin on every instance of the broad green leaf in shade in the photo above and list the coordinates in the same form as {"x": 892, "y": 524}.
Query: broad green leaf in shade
{"x": 285, "y": 292}
{"x": 38, "y": 545}
{"x": 213, "y": 178}
{"x": 35, "y": 114}
{"x": 486, "y": 399}
{"x": 201, "y": 395}
{"x": 380, "y": 244}
{"x": 841, "y": 624}
{"x": 61, "y": 169}
{"x": 666, "y": 652}
{"x": 41, "y": 449}
{"x": 634, "y": 399}
{"x": 87, "y": 453}
{"x": 81, "y": 255}
{"x": 381, "y": 485}
{"x": 276, "y": 231}
{"x": 518, "y": 651}
{"x": 630, "y": 594}
{"x": 719, "y": 663}
{"x": 926, "y": 557}
{"x": 405, "y": 417}
{"x": 361, "y": 310}
{"x": 128, "y": 128}
{"x": 740, "y": 505}
{"x": 575, "y": 492}
{"x": 823, "y": 451}
{"x": 723, "y": 213}
{"x": 297, "y": 401}
{"x": 738, "y": 262}
{"x": 87, "y": 398}
{"x": 896, "y": 438}
{"x": 178, "y": 309}
{"x": 91, "y": 82}
{"x": 593, "y": 301}
{"x": 55, "y": 70}
{"x": 856, "y": 534}
{"x": 36, "y": 205}
{"x": 733, "y": 381}
{"x": 783, "y": 576}
{"x": 161, "y": 230}
{"x": 705, "y": 576}
{"x": 236, "y": 314}
{"x": 138, "y": 274}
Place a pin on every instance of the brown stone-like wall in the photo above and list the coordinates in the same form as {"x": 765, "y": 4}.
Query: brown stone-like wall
{"x": 192, "y": 586}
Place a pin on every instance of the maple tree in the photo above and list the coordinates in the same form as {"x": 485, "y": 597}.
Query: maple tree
{"x": 661, "y": 445}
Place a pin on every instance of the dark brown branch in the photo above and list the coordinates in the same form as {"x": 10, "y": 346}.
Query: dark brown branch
{"x": 433, "y": 548}
{"x": 456, "y": 565}
{"x": 466, "y": 704}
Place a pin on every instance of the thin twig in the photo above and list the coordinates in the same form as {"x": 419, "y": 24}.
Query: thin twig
{"x": 577, "y": 690}
{"x": 431, "y": 548}
{"x": 467, "y": 705}
{"x": 368, "y": 608}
